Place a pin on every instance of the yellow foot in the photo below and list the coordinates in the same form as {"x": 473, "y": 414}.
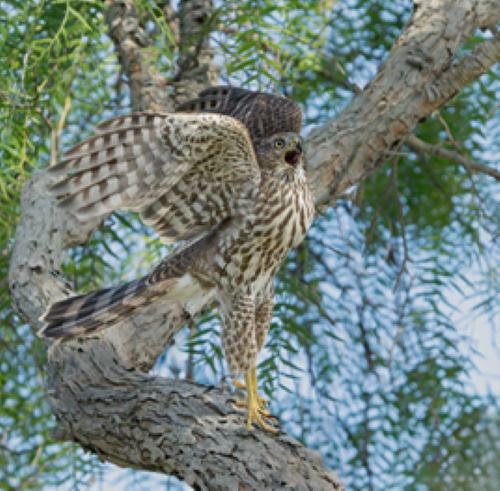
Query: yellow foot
{"x": 261, "y": 409}
{"x": 254, "y": 413}
{"x": 242, "y": 386}
{"x": 256, "y": 410}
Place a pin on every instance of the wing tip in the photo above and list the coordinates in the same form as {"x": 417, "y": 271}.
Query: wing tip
{"x": 41, "y": 332}
{"x": 58, "y": 334}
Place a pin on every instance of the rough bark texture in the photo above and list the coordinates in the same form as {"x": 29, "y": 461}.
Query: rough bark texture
{"x": 147, "y": 85}
{"x": 96, "y": 387}
{"x": 130, "y": 418}
{"x": 417, "y": 77}
{"x": 196, "y": 57}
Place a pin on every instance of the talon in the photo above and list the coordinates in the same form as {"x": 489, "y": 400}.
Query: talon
{"x": 262, "y": 411}
{"x": 267, "y": 414}
{"x": 239, "y": 385}
{"x": 254, "y": 406}
{"x": 254, "y": 414}
{"x": 242, "y": 386}
{"x": 263, "y": 402}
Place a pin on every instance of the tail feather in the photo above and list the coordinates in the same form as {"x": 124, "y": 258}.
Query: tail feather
{"x": 83, "y": 315}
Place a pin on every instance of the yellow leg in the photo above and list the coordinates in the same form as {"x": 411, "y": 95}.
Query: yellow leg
{"x": 242, "y": 386}
{"x": 260, "y": 402}
{"x": 254, "y": 410}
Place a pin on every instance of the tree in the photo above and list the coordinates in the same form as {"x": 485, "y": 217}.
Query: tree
{"x": 400, "y": 414}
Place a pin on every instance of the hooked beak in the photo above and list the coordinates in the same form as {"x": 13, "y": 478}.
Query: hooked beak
{"x": 293, "y": 155}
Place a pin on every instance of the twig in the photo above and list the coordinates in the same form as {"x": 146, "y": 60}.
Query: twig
{"x": 190, "y": 360}
{"x": 468, "y": 164}
{"x": 67, "y": 105}
{"x": 53, "y": 146}
{"x": 23, "y": 75}
{"x": 23, "y": 90}
{"x": 394, "y": 178}
{"x": 25, "y": 108}
{"x": 373, "y": 223}
{"x": 447, "y": 129}
{"x": 494, "y": 110}
{"x": 401, "y": 328}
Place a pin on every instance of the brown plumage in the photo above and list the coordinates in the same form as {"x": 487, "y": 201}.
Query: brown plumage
{"x": 231, "y": 181}
{"x": 263, "y": 115}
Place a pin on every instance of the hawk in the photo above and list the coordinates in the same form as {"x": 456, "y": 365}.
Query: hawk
{"x": 226, "y": 177}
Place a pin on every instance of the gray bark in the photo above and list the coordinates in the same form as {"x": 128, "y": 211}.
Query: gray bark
{"x": 418, "y": 77}
{"x": 147, "y": 86}
{"x": 97, "y": 387}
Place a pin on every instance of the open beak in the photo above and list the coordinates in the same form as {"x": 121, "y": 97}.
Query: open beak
{"x": 293, "y": 155}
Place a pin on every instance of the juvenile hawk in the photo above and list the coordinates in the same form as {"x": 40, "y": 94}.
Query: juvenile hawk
{"x": 229, "y": 180}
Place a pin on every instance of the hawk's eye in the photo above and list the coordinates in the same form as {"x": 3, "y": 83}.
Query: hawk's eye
{"x": 279, "y": 143}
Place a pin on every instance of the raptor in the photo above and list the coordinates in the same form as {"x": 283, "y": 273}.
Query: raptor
{"x": 224, "y": 176}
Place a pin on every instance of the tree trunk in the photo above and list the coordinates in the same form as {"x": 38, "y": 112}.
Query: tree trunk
{"x": 98, "y": 387}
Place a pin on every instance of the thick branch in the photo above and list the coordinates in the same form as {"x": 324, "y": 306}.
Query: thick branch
{"x": 416, "y": 78}
{"x": 96, "y": 387}
{"x": 197, "y": 71}
{"x": 466, "y": 71}
{"x": 147, "y": 86}
{"x": 196, "y": 56}
{"x": 173, "y": 427}
{"x": 468, "y": 164}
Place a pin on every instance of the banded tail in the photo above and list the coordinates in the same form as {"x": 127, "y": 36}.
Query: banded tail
{"x": 84, "y": 315}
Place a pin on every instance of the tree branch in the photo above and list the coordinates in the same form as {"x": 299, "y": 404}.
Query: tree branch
{"x": 468, "y": 164}
{"x": 417, "y": 77}
{"x": 173, "y": 427}
{"x": 466, "y": 71}
{"x": 130, "y": 418}
{"x": 95, "y": 386}
{"x": 197, "y": 71}
{"x": 147, "y": 86}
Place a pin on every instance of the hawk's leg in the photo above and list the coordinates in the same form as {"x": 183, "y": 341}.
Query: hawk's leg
{"x": 254, "y": 409}
{"x": 240, "y": 346}
{"x": 263, "y": 317}
{"x": 240, "y": 385}
{"x": 261, "y": 403}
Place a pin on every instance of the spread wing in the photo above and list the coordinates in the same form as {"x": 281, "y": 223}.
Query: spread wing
{"x": 185, "y": 173}
{"x": 263, "y": 114}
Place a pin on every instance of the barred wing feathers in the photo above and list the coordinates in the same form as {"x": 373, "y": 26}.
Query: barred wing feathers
{"x": 82, "y": 315}
{"x": 263, "y": 114}
{"x": 184, "y": 172}
{"x": 86, "y": 314}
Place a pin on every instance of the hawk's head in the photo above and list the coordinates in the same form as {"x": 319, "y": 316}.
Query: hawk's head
{"x": 281, "y": 152}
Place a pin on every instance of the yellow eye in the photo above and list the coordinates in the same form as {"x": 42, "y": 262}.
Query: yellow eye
{"x": 279, "y": 143}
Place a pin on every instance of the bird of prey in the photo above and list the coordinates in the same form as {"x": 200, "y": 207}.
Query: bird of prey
{"x": 225, "y": 175}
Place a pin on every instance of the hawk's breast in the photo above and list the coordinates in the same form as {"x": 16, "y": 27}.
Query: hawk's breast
{"x": 250, "y": 254}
